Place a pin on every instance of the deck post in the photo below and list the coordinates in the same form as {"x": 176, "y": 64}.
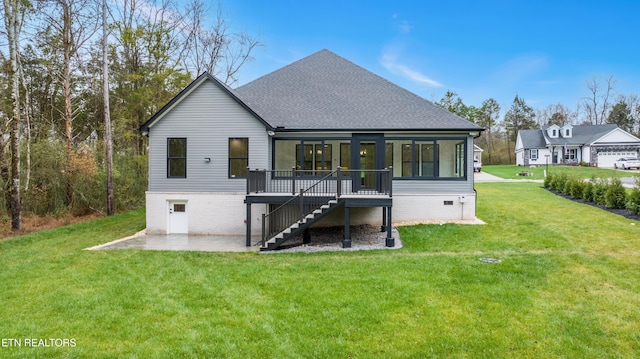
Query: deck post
{"x": 302, "y": 214}
{"x": 248, "y": 220}
{"x": 248, "y": 180}
{"x": 339, "y": 182}
{"x": 383, "y": 227}
{"x": 390, "y": 188}
{"x": 293, "y": 181}
{"x": 346, "y": 241}
{"x": 390, "y": 242}
{"x": 306, "y": 236}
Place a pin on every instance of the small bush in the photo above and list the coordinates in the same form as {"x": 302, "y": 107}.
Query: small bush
{"x": 547, "y": 180}
{"x": 599, "y": 189}
{"x": 558, "y": 181}
{"x": 576, "y": 187}
{"x": 615, "y": 195}
{"x": 587, "y": 191}
{"x": 633, "y": 201}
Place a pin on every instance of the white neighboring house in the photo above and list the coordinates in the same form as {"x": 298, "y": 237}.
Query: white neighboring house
{"x": 477, "y": 153}
{"x": 597, "y": 145}
{"x": 220, "y": 158}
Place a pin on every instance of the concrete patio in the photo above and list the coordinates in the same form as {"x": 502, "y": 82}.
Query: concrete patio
{"x": 180, "y": 242}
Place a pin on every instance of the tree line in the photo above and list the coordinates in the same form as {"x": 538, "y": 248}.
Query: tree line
{"x": 79, "y": 77}
{"x": 599, "y": 106}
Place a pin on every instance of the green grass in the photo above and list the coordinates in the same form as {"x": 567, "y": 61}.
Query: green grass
{"x": 568, "y": 286}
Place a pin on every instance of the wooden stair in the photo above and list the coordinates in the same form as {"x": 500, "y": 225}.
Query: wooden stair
{"x": 296, "y": 228}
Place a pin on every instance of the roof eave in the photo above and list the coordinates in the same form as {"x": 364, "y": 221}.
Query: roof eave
{"x": 471, "y": 129}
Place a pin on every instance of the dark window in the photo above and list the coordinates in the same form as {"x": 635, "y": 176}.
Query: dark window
{"x": 388, "y": 154}
{"x": 314, "y": 158}
{"x": 427, "y": 158}
{"x": 407, "y": 155}
{"x": 238, "y": 157}
{"x": 345, "y": 155}
{"x": 177, "y": 158}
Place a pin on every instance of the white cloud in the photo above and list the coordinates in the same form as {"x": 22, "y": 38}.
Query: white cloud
{"x": 390, "y": 62}
{"x": 404, "y": 27}
{"x": 522, "y": 66}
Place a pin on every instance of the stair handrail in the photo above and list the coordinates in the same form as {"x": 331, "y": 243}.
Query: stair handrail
{"x": 302, "y": 213}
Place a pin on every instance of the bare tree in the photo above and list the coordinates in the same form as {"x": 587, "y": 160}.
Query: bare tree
{"x": 73, "y": 23}
{"x": 215, "y": 48}
{"x": 488, "y": 118}
{"x": 596, "y": 107}
{"x": 557, "y": 114}
{"x": 108, "y": 143}
{"x": 14, "y": 12}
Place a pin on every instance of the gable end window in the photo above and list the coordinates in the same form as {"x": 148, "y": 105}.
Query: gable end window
{"x": 238, "y": 157}
{"x": 176, "y": 158}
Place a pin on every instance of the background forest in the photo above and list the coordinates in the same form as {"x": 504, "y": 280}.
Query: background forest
{"x": 79, "y": 77}
{"x": 67, "y": 146}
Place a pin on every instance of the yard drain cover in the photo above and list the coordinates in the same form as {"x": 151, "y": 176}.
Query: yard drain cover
{"x": 490, "y": 260}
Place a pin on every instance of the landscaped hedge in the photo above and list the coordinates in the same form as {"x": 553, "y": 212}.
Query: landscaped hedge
{"x": 608, "y": 193}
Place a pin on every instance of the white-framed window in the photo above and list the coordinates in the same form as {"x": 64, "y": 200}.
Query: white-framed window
{"x": 533, "y": 155}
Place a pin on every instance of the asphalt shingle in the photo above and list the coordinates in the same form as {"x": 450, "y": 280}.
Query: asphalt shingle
{"x": 327, "y": 92}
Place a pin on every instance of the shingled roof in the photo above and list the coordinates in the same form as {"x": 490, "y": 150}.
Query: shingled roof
{"x": 327, "y": 92}
{"x": 580, "y": 136}
{"x": 532, "y": 139}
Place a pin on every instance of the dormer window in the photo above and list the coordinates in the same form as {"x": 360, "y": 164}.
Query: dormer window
{"x": 567, "y": 131}
{"x": 554, "y": 133}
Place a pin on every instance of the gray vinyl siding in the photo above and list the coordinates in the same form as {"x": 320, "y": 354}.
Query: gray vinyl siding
{"x": 207, "y": 118}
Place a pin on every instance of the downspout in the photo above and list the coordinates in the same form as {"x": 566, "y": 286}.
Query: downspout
{"x": 475, "y": 192}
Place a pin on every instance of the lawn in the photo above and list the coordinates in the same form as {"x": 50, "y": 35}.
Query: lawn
{"x": 567, "y": 285}
{"x": 512, "y": 171}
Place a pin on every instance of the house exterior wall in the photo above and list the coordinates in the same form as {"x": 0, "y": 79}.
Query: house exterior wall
{"x": 520, "y": 158}
{"x": 207, "y": 118}
{"x": 208, "y": 212}
{"x": 224, "y": 213}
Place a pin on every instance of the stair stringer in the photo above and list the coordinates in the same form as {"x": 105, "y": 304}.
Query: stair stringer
{"x": 276, "y": 241}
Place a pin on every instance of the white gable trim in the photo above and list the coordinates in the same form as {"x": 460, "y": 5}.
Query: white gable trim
{"x": 616, "y": 136}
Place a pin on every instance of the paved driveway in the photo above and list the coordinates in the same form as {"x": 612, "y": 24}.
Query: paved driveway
{"x": 485, "y": 177}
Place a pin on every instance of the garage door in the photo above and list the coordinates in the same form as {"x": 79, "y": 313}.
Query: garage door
{"x": 607, "y": 159}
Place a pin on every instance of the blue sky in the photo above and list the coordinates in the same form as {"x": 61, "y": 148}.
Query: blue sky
{"x": 544, "y": 51}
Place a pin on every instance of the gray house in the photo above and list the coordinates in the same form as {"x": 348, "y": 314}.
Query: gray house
{"x": 319, "y": 142}
{"x": 596, "y": 145}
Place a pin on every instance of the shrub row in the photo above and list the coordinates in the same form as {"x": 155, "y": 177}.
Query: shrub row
{"x": 608, "y": 193}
